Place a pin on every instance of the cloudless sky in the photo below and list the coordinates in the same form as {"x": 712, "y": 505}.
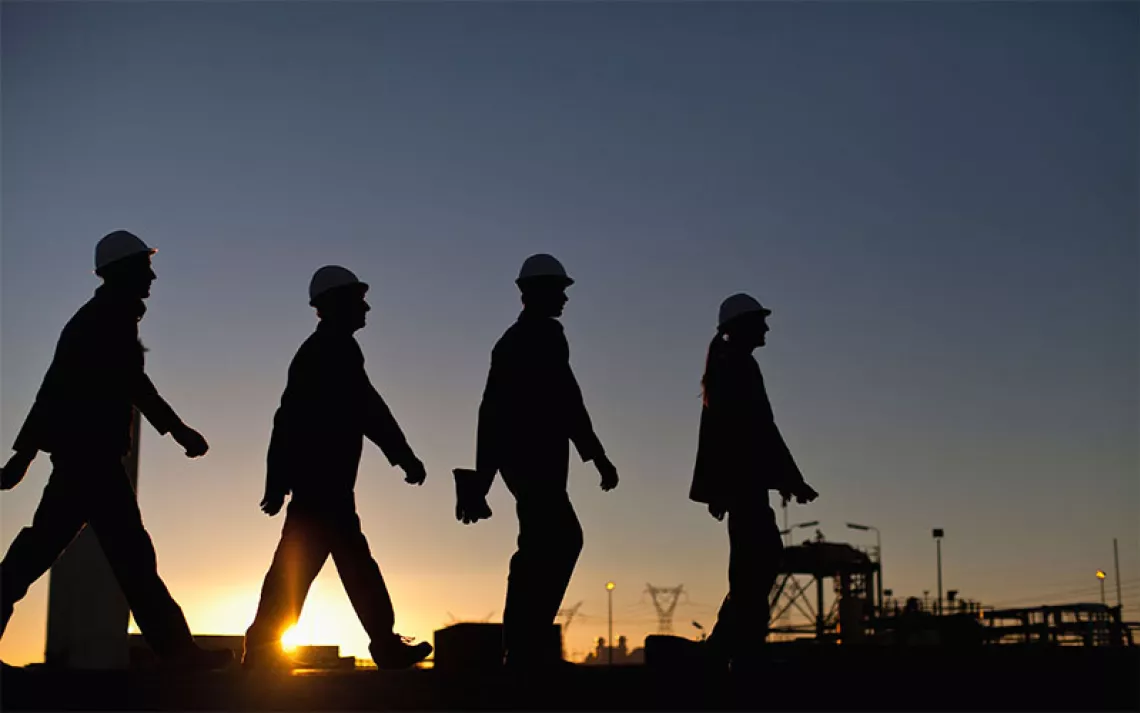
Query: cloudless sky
{"x": 938, "y": 201}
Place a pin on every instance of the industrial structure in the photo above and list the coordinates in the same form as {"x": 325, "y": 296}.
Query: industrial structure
{"x": 849, "y": 573}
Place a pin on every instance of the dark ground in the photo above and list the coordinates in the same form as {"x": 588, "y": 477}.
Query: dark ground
{"x": 838, "y": 678}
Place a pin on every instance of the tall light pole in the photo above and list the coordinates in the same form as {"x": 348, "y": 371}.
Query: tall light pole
{"x": 786, "y": 532}
{"x": 938, "y": 534}
{"x": 1100, "y": 576}
{"x": 878, "y": 555}
{"x": 1116, "y": 559}
{"x": 610, "y": 640}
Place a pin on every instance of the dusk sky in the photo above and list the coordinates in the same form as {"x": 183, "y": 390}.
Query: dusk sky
{"x": 938, "y": 201}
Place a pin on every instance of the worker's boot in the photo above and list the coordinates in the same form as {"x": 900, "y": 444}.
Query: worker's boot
{"x": 268, "y": 657}
{"x": 396, "y": 652}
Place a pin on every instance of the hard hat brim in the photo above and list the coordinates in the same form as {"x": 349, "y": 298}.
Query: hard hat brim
{"x": 148, "y": 252}
{"x": 361, "y": 287}
{"x": 763, "y": 312}
{"x": 544, "y": 279}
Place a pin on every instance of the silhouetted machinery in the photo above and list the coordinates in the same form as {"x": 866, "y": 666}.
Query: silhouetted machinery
{"x": 853, "y": 576}
{"x": 479, "y": 645}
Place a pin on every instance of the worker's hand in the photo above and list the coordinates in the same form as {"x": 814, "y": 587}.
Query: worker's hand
{"x": 608, "y": 472}
{"x": 803, "y": 493}
{"x": 190, "y": 440}
{"x": 15, "y": 469}
{"x": 469, "y": 512}
{"x": 414, "y": 472}
{"x": 272, "y": 503}
{"x": 717, "y": 510}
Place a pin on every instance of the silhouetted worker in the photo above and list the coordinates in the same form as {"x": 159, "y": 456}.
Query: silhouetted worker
{"x": 82, "y": 416}
{"x": 328, "y": 408}
{"x": 532, "y": 409}
{"x": 741, "y": 456}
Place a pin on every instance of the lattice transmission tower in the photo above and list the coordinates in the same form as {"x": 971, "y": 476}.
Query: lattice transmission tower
{"x": 665, "y": 600}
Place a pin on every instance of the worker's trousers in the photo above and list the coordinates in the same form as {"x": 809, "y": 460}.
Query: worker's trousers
{"x": 755, "y": 554}
{"x": 309, "y": 536}
{"x": 96, "y": 491}
{"x": 549, "y": 542}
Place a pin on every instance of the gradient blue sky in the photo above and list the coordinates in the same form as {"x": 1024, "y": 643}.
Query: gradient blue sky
{"x": 938, "y": 201}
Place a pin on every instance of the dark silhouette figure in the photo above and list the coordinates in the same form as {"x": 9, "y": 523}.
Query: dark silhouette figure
{"x": 741, "y": 456}
{"x": 532, "y": 409}
{"x": 328, "y": 408}
{"x": 82, "y": 417}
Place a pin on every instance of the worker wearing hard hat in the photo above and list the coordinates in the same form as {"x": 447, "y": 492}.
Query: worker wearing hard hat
{"x": 532, "y": 410}
{"x": 741, "y": 456}
{"x": 82, "y": 416}
{"x": 327, "y": 410}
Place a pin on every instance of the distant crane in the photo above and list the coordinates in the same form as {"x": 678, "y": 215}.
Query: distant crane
{"x": 665, "y": 601}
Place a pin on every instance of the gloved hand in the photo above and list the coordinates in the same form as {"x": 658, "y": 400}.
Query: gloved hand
{"x": 272, "y": 503}
{"x": 472, "y": 511}
{"x": 414, "y": 471}
{"x": 608, "y": 472}
{"x": 192, "y": 441}
{"x": 802, "y": 492}
{"x": 471, "y": 488}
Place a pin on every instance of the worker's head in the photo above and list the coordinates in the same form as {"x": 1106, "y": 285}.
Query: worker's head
{"x": 741, "y": 324}
{"x": 544, "y": 297}
{"x": 543, "y": 282}
{"x": 743, "y": 321}
{"x": 123, "y": 261}
{"x": 338, "y": 297}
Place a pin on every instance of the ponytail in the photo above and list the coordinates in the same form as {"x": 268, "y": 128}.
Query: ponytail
{"x": 716, "y": 347}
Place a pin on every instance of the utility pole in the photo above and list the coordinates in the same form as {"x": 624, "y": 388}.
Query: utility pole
{"x": 1116, "y": 560}
{"x": 787, "y": 533}
{"x": 938, "y": 534}
{"x": 610, "y": 640}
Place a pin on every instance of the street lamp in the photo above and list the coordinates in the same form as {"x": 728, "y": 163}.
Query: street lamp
{"x": 788, "y": 531}
{"x": 1100, "y": 575}
{"x": 878, "y": 554}
{"x": 610, "y": 640}
{"x": 938, "y": 534}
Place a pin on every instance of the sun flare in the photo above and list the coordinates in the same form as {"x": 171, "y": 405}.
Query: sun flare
{"x": 290, "y": 639}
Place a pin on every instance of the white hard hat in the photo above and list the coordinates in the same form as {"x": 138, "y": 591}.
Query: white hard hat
{"x": 330, "y": 277}
{"x": 543, "y": 266}
{"x": 737, "y": 305}
{"x": 118, "y": 245}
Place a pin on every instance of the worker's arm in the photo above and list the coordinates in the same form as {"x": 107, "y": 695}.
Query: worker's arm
{"x": 488, "y": 438}
{"x": 147, "y": 400}
{"x": 581, "y": 427}
{"x": 381, "y": 428}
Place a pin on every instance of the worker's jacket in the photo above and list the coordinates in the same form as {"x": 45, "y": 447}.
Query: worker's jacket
{"x": 84, "y": 405}
{"x": 741, "y": 453}
{"x": 532, "y": 407}
{"x": 329, "y": 406}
